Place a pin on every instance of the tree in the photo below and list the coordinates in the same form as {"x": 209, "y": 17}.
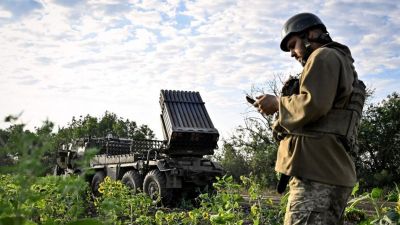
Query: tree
{"x": 109, "y": 123}
{"x": 7, "y": 141}
{"x": 379, "y": 142}
{"x": 251, "y": 149}
{"x": 234, "y": 162}
{"x": 34, "y": 149}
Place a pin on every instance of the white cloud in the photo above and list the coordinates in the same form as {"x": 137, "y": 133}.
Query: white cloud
{"x": 104, "y": 1}
{"x": 150, "y": 19}
{"x": 5, "y": 14}
{"x": 382, "y": 87}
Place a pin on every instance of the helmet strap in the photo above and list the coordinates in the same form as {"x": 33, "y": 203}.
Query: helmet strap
{"x": 307, "y": 47}
{"x": 323, "y": 38}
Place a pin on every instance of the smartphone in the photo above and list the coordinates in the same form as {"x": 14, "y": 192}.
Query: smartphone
{"x": 250, "y": 99}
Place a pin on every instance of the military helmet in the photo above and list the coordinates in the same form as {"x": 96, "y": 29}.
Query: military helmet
{"x": 297, "y": 24}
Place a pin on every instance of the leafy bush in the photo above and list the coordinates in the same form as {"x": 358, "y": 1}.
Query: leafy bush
{"x": 50, "y": 200}
{"x": 66, "y": 200}
{"x": 117, "y": 203}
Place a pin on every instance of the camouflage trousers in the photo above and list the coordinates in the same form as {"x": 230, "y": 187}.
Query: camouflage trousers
{"x": 315, "y": 203}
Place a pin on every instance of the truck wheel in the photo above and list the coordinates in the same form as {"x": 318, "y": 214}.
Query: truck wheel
{"x": 133, "y": 180}
{"x": 57, "y": 171}
{"x": 97, "y": 179}
{"x": 155, "y": 185}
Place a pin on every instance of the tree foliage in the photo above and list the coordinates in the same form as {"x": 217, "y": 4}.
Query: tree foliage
{"x": 33, "y": 148}
{"x": 109, "y": 123}
{"x": 378, "y": 161}
{"x": 251, "y": 149}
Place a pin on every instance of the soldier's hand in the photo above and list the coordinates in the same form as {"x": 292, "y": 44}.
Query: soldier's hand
{"x": 267, "y": 104}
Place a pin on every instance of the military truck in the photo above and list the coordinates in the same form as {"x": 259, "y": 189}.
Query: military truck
{"x": 162, "y": 169}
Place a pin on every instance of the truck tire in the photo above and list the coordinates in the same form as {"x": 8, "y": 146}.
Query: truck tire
{"x": 155, "y": 185}
{"x": 95, "y": 184}
{"x": 133, "y": 180}
{"x": 57, "y": 171}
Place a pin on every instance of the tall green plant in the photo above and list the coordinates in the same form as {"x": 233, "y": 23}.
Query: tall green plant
{"x": 117, "y": 204}
{"x": 383, "y": 214}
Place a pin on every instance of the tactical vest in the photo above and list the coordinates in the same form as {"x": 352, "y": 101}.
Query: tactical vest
{"x": 341, "y": 122}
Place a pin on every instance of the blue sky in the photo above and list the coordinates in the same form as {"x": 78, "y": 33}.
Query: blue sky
{"x": 64, "y": 58}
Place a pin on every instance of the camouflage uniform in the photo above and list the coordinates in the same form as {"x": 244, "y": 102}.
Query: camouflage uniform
{"x": 315, "y": 203}
{"x": 322, "y": 160}
{"x": 318, "y": 136}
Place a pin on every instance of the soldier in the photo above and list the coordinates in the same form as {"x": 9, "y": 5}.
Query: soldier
{"x": 317, "y": 123}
